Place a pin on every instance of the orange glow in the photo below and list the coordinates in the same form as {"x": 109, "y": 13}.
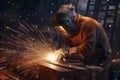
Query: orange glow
{"x": 51, "y": 57}
{"x": 62, "y": 31}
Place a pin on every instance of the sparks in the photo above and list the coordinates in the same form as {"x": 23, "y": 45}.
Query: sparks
{"x": 25, "y": 47}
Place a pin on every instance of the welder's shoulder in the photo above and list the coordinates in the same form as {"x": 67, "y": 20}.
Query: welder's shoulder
{"x": 89, "y": 20}
{"x": 90, "y": 23}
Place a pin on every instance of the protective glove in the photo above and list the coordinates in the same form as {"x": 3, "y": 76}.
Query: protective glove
{"x": 64, "y": 58}
{"x": 72, "y": 51}
{"x": 64, "y": 54}
{"x": 70, "y": 55}
{"x": 67, "y": 51}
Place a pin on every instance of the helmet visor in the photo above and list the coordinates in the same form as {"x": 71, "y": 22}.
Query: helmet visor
{"x": 68, "y": 24}
{"x": 62, "y": 31}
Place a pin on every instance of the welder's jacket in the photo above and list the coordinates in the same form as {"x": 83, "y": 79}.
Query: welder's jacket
{"x": 91, "y": 42}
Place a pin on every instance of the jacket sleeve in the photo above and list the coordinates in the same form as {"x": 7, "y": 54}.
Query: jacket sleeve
{"x": 87, "y": 46}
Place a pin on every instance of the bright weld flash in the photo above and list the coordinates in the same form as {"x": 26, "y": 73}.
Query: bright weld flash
{"x": 51, "y": 57}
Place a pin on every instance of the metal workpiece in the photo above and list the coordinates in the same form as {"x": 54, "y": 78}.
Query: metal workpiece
{"x": 48, "y": 70}
{"x": 6, "y": 74}
{"x": 79, "y": 72}
{"x": 53, "y": 72}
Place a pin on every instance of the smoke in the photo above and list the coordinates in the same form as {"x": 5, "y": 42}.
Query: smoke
{"x": 24, "y": 47}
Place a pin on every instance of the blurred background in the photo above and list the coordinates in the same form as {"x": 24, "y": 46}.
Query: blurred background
{"x": 38, "y": 13}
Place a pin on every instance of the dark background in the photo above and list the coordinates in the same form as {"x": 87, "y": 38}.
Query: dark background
{"x": 39, "y": 13}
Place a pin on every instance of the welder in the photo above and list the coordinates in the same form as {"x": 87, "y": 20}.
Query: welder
{"x": 84, "y": 37}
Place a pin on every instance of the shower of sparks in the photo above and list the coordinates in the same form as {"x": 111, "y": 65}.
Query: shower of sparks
{"x": 23, "y": 48}
{"x": 53, "y": 56}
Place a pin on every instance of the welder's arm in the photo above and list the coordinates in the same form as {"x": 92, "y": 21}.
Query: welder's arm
{"x": 66, "y": 46}
{"x": 66, "y": 43}
{"x": 86, "y": 47}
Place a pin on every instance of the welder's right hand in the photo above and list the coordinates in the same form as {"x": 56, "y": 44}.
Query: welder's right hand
{"x": 64, "y": 53}
{"x": 63, "y": 58}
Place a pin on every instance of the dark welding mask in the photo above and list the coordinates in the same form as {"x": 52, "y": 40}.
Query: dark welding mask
{"x": 65, "y": 25}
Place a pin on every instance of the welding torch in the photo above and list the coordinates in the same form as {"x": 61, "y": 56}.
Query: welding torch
{"x": 64, "y": 56}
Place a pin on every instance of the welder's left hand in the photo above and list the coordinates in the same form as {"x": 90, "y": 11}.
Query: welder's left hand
{"x": 73, "y": 51}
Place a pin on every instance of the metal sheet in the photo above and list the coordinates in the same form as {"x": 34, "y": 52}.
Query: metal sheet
{"x": 79, "y": 73}
{"x": 53, "y": 72}
{"x": 9, "y": 75}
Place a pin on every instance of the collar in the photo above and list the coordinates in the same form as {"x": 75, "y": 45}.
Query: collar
{"x": 79, "y": 20}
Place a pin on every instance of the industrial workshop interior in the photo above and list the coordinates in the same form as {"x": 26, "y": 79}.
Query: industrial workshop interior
{"x": 33, "y": 34}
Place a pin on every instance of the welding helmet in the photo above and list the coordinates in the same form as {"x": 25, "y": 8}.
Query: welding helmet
{"x": 65, "y": 25}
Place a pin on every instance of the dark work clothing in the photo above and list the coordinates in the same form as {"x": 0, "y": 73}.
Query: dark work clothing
{"x": 91, "y": 42}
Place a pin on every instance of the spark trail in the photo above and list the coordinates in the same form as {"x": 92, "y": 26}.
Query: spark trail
{"x": 23, "y": 48}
